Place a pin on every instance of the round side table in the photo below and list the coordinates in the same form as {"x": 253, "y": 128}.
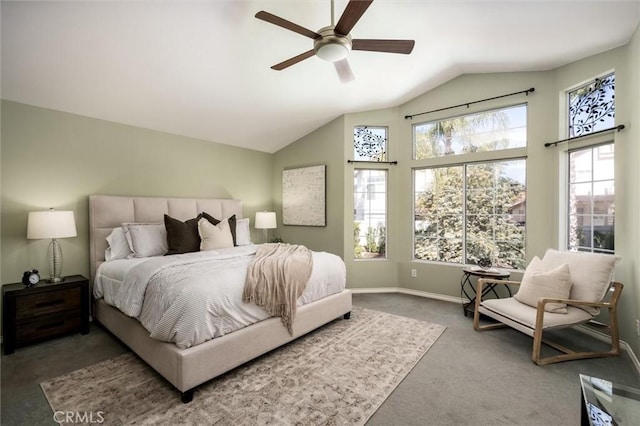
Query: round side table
{"x": 468, "y": 290}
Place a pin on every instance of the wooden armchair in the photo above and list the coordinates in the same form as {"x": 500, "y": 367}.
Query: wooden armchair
{"x": 586, "y": 295}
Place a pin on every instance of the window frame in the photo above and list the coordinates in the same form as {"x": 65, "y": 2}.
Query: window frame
{"x": 385, "y": 171}
{"x": 464, "y": 213}
{"x": 591, "y": 140}
{"x": 508, "y": 154}
{"x": 592, "y": 214}
{"x": 498, "y": 153}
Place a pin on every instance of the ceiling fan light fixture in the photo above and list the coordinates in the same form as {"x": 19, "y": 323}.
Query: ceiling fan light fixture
{"x": 331, "y": 47}
{"x": 332, "y": 52}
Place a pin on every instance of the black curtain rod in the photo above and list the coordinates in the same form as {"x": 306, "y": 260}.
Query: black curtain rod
{"x": 618, "y": 128}
{"x": 473, "y": 102}
{"x": 371, "y": 162}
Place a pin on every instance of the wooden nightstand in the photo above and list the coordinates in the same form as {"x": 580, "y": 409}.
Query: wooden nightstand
{"x": 33, "y": 314}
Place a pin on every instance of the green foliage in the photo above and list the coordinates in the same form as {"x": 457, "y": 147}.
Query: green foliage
{"x": 491, "y": 231}
{"x": 372, "y": 235}
{"x": 382, "y": 241}
{"x": 375, "y": 242}
{"x": 357, "y": 248}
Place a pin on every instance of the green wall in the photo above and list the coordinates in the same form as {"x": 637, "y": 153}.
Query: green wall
{"x": 544, "y": 173}
{"x": 324, "y": 146}
{"x": 55, "y": 159}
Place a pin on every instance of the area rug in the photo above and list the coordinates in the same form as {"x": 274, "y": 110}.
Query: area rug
{"x": 337, "y": 375}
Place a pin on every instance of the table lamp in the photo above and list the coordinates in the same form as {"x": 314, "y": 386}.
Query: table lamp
{"x": 52, "y": 224}
{"x": 265, "y": 221}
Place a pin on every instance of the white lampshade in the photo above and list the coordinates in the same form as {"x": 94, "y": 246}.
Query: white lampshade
{"x": 51, "y": 224}
{"x": 266, "y": 220}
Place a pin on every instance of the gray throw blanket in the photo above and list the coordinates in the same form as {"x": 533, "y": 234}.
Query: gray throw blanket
{"x": 276, "y": 278}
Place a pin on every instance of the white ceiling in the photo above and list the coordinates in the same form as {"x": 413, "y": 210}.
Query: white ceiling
{"x": 201, "y": 69}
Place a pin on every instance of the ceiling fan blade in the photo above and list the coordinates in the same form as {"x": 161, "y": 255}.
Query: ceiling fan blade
{"x": 390, "y": 46}
{"x": 344, "y": 71}
{"x": 292, "y": 61}
{"x": 351, "y": 15}
{"x": 287, "y": 25}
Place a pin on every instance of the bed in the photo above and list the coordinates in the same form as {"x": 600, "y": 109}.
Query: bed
{"x": 186, "y": 368}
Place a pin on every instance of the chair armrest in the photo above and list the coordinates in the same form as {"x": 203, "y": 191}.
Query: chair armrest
{"x": 576, "y": 303}
{"x": 616, "y": 286}
{"x": 482, "y": 281}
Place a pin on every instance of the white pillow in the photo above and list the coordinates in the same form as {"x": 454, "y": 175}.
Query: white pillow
{"x": 214, "y": 236}
{"x": 591, "y": 273}
{"x": 243, "y": 234}
{"x": 118, "y": 246}
{"x": 146, "y": 239}
{"x": 538, "y": 283}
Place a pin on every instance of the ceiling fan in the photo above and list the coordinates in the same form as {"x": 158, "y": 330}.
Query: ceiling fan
{"x": 333, "y": 43}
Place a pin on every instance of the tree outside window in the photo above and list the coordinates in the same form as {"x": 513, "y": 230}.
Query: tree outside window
{"x": 475, "y": 210}
{"x": 370, "y": 214}
{"x": 466, "y": 213}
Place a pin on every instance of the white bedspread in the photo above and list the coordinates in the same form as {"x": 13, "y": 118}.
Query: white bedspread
{"x": 191, "y": 298}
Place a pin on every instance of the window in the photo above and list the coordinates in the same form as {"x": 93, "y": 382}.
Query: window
{"x": 369, "y": 213}
{"x": 493, "y": 130}
{"x": 474, "y": 210}
{"x": 591, "y": 180}
{"x": 369, "y": 143}
{"x": 592, "y": 107}
{"x": 591, "y": 199}
{"x": 470, "y": 212}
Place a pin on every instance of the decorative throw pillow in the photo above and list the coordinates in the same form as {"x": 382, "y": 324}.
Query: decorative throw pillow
{"x": 214, "y": 236}
{"x": 182, "y": 237}
{"x": 214, "y": 221}
{"x": 538, "y": 283}
{"x": 146, "y": 239}
{"x": 243, "y": 234}
{"x": 591, "y": 273}
{"x": 118, "y": 246}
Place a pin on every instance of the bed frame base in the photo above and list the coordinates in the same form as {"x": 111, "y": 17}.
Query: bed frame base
{"x": 187, "y": 368}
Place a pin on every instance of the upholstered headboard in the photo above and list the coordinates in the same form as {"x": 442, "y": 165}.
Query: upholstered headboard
{"x": 110, "y": 211}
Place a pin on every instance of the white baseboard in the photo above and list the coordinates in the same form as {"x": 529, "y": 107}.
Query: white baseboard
{"x": 605, "y": 338}
{"x": 596, "y": 334}
{"x": 445, "y": 298}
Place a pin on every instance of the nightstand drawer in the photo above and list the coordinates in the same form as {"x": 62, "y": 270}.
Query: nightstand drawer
{"x": 33, "y": 314}
{"x": 33, "y": 305}
{"x": 47, "y": 326}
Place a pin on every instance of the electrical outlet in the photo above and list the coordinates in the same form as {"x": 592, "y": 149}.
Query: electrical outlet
{"x": 638, "y": 327}
{"x": 414, "y": 273}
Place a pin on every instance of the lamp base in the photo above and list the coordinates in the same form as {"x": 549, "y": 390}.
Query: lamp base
{"x": 56, "y": 279}
{"x": 55, "y": 261}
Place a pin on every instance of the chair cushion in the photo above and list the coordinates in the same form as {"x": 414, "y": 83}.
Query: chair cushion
{"x": 525, "y": 315}
{"x": 591, "y": 273}
{"x": 538, "y": 283}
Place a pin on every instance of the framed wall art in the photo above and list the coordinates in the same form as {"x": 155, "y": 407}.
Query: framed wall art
{"x": 304, "y": 196}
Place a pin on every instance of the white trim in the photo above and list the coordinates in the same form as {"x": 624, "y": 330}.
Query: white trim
{"x": 445, "y": 298}
{"x": 583, "y": 329}
{"x": 605, "y": 338}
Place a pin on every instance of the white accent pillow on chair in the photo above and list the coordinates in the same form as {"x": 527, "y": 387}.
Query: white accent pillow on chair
{"x": 538, "y": 283}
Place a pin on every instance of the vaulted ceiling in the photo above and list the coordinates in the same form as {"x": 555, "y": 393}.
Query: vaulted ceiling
{"x": 202, "y": 69}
